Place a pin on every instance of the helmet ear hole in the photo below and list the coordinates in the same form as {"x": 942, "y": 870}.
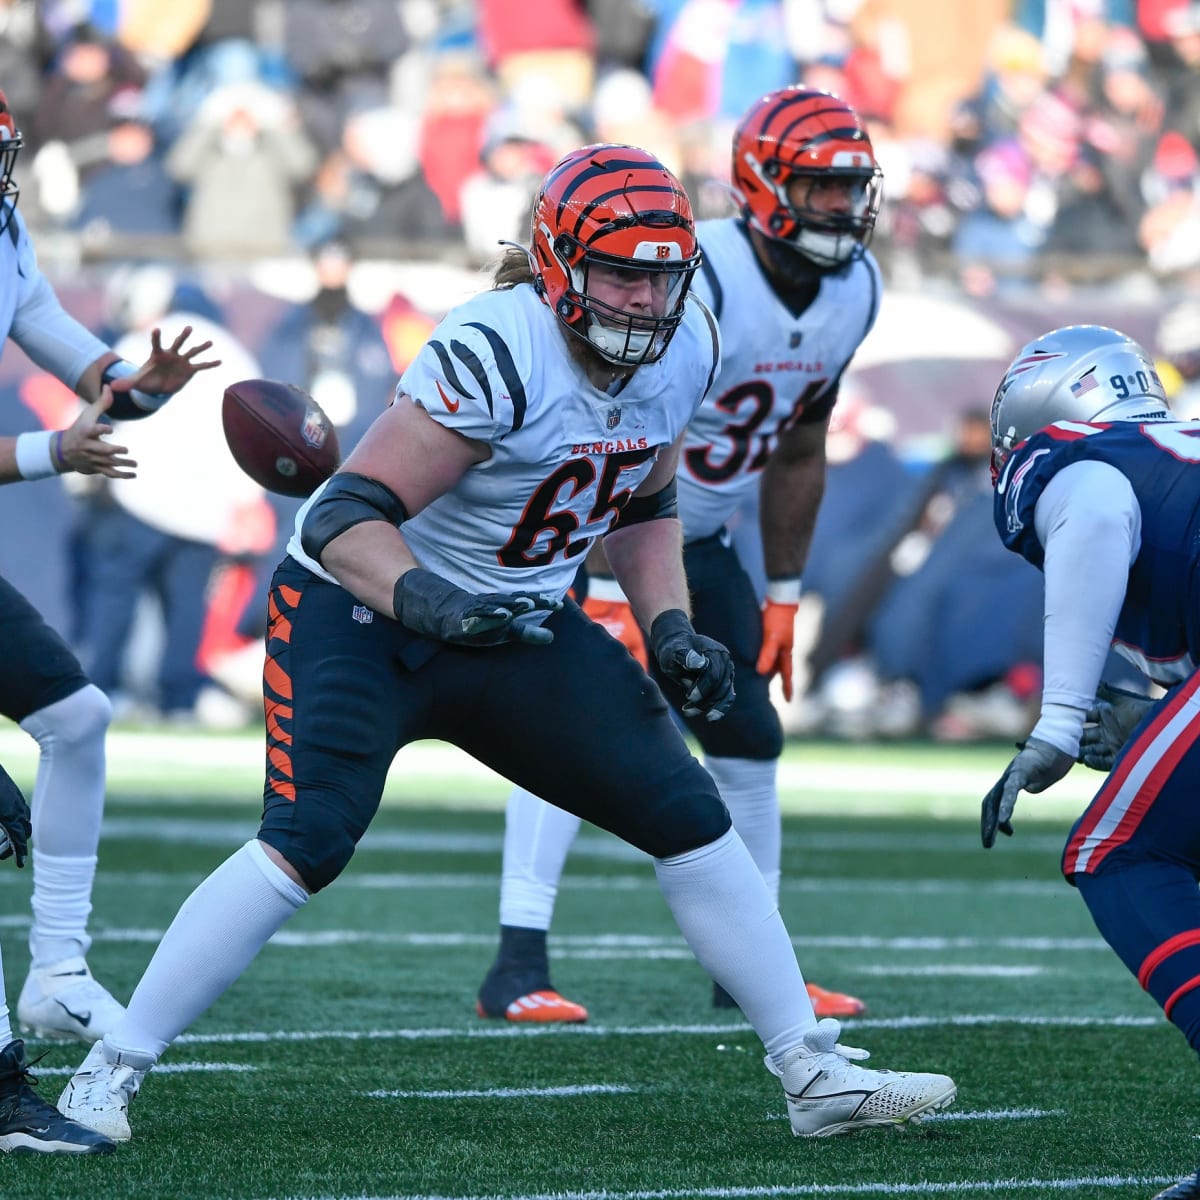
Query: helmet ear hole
{"x": 565, "y": 246}
{"x": 566, "y": 310}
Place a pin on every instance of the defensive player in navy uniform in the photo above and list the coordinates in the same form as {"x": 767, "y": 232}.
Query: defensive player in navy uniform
{"x": 43, "y": 687}
{"x": 1099, "y": 487}
{"x": 795, "y": 291}
{"x": 424, "y": 598}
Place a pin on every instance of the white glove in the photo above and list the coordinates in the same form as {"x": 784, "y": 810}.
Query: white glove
{"x": 1112, "y": 719}
{"x": 1035, "y": 768}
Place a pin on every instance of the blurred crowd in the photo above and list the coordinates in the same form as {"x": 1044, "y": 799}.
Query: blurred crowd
{"x": 1028, "y": 146}
{"x": 1018, "y": 137}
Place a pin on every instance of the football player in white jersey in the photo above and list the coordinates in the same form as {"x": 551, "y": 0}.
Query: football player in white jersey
{"x": 423, "y": 597}
{"x": 795, "y": 291}
{"x": 42, "y": 686}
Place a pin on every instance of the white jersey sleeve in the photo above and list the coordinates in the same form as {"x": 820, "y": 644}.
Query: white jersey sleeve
{"x": 35, "y": 318}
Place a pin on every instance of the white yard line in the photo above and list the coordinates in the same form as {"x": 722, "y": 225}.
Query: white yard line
{"x": 583, "y": 1089}
{"x": 1003, "y": 1187}
{"x": 508, "y": 1030}
{"x": 167, "y": 1068}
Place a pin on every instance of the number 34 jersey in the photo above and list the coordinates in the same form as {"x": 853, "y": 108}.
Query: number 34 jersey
{"x": 777, "y": 369}
{"x": 566, "y": 455}
{"x": 1158, "y": 628}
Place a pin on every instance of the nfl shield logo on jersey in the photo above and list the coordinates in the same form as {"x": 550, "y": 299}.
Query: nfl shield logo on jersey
{"x": 362, "y": 614}
{"x": 614, "y": 418}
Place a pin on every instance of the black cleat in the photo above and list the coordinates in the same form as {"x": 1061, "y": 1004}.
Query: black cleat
{"x": 1185, "y": 1189}
{"x": 518, "y": 987}
{"x": 30, "y": 1125}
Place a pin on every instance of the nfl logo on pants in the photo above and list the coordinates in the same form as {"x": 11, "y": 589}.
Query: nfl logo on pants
{"x": 362, "y": 614}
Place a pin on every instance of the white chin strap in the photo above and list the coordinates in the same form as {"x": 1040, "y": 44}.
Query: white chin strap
{"x": 618, "y": 344}
{"x": 826, "y": 247}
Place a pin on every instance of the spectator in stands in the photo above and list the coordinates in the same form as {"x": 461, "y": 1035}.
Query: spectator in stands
{"x": 552, "y": 41}
{"x": 1178, "y": 340}
{"x": 1015, "y": 78}
{"x": 338, "y": 48}
{"x": 497, "y": 198}
{"x": 242, "y": 159}
{"x": 131, "y": 195}
{"x": 73, "y": 107}
{"x": 1169, "y": 232}
{"x": 372, "y": 193}
{"x": 162, "y": 533}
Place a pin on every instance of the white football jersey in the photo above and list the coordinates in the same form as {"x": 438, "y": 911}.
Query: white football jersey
{"x": 565, "y": 454}
{"x": 773, "y": 366}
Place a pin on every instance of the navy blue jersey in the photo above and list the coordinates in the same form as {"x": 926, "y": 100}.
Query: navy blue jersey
{"x": 1159, "y": 625}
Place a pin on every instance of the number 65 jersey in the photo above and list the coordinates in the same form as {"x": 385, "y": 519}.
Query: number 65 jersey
{"x": 777, "y": 368}
{"x": 1158, "y": 628}
{"x": 566, "y": 455}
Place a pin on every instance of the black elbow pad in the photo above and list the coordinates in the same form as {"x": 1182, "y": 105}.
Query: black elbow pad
{"x": 660, "y": 505}
{"x": 349, "y": 499}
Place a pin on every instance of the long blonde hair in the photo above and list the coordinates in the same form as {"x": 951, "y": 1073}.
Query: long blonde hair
{"x": 513, "y": 268}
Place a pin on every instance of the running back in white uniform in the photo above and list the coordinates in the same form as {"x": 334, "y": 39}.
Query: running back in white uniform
{"x": 776, "y": 368}
{"x": 566, "y": 456}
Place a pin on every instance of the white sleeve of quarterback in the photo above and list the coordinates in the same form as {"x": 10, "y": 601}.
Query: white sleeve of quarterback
{"x": 51, "y": 337}
{"x": 1089, "y": 522}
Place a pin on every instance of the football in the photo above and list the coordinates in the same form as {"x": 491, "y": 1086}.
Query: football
{"x": 279, "y": 435}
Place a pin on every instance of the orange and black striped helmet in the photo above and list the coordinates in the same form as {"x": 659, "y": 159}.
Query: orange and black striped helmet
{"x": 615, "y": 209}
{"x": 10, "y": 145}
{"x": 802, "y": 133}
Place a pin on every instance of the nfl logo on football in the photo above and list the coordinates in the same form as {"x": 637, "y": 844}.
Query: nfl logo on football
{"x": 362, "y": 614}
{"x": 614, "y": 418}
{"x": 314, "y": 430}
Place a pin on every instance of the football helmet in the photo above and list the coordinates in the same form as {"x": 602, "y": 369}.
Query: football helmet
{"x": 10, "y": 145}
{"x": 1077, "y": 373}
{"x": 617, "y": 209}
{"x": 800, "y": 133}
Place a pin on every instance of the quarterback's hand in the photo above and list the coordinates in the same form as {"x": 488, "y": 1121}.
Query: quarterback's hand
{"x": 168, "y": 368}
{"x": 1035, "y": 768}
{"x": 430, "y": 605}
{"x": 1110, "y": 722}
{"x": 15, "y": 825}
{"x": 84, "y": 446}
{"x": 617, "y": 617}
{"x": 779, "y": 633}
{"x": 699, "y": 665}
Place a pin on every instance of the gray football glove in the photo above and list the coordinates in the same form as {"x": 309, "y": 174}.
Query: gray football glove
{"x": 430, "y": 605}
{"x": 701, "y": 667}
{"x": 1035, "y": 768}
{"x": 15, "y": 825}
{"x": 1110, "y": 722}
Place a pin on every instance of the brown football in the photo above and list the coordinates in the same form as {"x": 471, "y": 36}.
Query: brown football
{"x": 279, "y": 435}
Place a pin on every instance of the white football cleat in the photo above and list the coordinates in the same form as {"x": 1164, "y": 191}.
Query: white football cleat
{"x": 99, "y": 1093}
{"x": 826, "y": 1093}
{"x": 65, "y": 1001}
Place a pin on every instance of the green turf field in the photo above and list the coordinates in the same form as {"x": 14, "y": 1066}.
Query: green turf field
{"x": 348, "y": 1062}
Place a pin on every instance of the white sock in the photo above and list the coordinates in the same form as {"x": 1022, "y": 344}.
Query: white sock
{"x": 733, "y": 926}
{"x": 537, "y": 837}
{"x": 215, "y": 936}
{"x": 6, "y": 1033}
{"x": 62, "y": 903}
{"x": 67, "y": 807}
{"x": 747, "y": 785}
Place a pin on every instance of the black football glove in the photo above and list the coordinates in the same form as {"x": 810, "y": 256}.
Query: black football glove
{"x": 1035, "y": 768}
{"x": 700, "y": 666}
{"x": 1110, "y": 722}
{"x": 15, "y": 824}
{"x": 430, "y": 605}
